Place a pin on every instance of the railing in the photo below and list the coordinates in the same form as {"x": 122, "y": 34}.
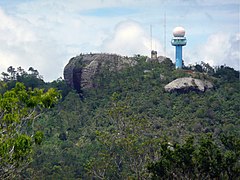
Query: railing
{"x": 179, "y": 41}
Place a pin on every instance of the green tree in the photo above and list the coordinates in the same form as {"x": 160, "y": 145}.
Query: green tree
{"x": 197, "y": 159}
{"x": 126, "y": 146}
{"x": 5, "y": 76}
{"x": 19, "y": 108}
{"x": 227, "y": 73}
{"x": 12, "y": 71}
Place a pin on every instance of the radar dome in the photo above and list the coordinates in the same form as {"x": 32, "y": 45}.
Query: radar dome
{"x": 178, "y": 32}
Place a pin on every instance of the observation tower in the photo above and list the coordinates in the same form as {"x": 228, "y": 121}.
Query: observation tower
{"x": 179, "y": 40}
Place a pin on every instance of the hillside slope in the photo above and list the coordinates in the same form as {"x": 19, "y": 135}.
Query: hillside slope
{"x": 130, "y": 110}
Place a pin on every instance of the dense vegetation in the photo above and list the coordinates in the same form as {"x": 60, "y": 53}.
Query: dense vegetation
{"x": 19, "y": 107}
{"x": 129, "y": 127}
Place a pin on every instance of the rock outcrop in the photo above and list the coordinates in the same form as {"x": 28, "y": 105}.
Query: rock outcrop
{"x": 188, "y": 84}
{"x": 81, "y": 70}
{"x": 159, "y": 59}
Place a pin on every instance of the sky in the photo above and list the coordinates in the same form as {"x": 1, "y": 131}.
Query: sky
{"x": 46, "y": 34}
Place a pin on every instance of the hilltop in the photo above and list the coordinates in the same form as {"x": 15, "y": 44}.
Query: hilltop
{"x": 124, "y": 123}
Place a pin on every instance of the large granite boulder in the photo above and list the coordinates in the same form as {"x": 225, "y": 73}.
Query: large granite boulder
{"x": 188, "y": 84}
{"x": 81, "y": 70}
{"x": 158, "y": 59}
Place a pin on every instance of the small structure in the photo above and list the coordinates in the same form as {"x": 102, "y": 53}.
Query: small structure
{"x": 154, "y": 54}
{"x": 179, "y": 40}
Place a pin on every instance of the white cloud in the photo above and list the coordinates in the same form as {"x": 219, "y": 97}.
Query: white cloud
{"x": 13, "y": 40}
{"x": 232, "y": 57}
{"x": 21, "y": 45}
{"x": 45, "y": 34}
{"x": 215, "y": 48}
{"x": 219, "y": 49}
{"x": 13, "y": 31}
{"x": 130, "y": 38}
{"x": 214, "y": 2}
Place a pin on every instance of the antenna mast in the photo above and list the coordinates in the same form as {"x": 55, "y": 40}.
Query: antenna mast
{"x": 151, "y": 35}
{"x": 164, "y": 24}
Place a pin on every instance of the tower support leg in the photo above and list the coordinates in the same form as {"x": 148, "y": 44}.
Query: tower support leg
{"x": 178, "y": 57}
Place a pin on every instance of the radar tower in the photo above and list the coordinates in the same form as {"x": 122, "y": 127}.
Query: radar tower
{"x": 179, "y": 40}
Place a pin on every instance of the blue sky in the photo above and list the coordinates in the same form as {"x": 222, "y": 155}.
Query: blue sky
{"x": 45, "y": 34}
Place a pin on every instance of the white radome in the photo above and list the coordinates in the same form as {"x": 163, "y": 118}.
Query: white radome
{"x": 178, "y": 32}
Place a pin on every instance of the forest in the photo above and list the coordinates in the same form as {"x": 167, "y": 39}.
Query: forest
{"x": 127, "y": 127}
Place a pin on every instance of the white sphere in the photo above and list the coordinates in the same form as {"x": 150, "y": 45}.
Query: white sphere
{"x": 178, "y": 32}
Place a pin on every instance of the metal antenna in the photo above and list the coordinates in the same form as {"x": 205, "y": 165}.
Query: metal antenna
{"x": 151, "y": 36}
{"x": 164, "y": 34}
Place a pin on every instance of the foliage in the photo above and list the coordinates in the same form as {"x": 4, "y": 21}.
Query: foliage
{"x": 227, "y": 74}
{"x": 202, "y": 160}
{"x": 31, "y": 79}
{"x": 18, "y": 108}
{"x": 126, "y": 146}
{"x": 128, "y": 123}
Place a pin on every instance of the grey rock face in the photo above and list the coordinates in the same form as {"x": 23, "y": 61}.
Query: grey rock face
{"x": 81, "y": 70}
{"x": 188, "y": 84}
{"x": 159, "y": 59}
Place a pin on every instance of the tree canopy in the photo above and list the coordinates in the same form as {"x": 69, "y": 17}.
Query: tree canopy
{"x": 19, "y": 108}
{"x": 127, "y": 126}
